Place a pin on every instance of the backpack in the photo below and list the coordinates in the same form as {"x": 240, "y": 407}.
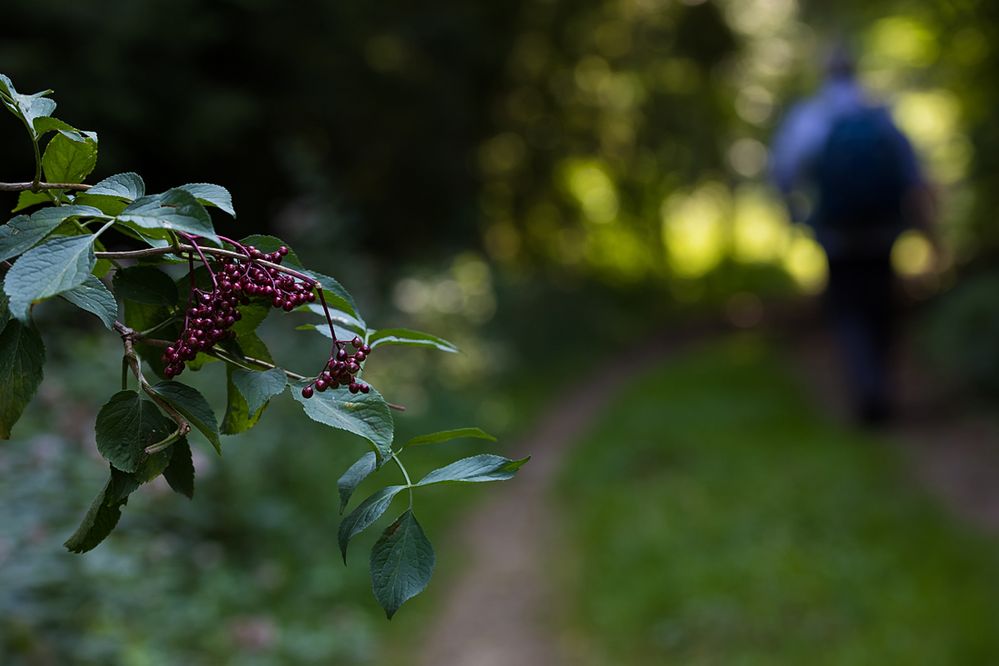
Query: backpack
{"x": 862, "y": 173}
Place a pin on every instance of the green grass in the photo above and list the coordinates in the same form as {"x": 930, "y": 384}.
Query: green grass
{"x": 715, "y": 517}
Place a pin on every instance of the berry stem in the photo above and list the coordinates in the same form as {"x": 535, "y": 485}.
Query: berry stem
{"x": 213, "y": 251}
{"x": 253, "y": 361}
{"x": 329, "y": 319}
{"x": 190, "y": 239}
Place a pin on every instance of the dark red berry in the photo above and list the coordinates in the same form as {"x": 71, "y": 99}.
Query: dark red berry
{"x": 307, "y": 392}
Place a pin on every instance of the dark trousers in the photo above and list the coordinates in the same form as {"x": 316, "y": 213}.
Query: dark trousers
{"x": 860, "y": 304}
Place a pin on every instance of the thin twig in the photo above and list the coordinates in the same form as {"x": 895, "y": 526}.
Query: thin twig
{"x": 215, "y": 251}
{"x": 22, "y": 187}
{"x": 183, "y": 427}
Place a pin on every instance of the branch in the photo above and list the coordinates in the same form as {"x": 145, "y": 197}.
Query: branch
{"x": 34, "y": 187}
{"x": 214, "y": 251}
{"x": 183, "y": 427}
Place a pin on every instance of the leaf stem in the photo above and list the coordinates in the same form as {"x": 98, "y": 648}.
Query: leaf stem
{"x": 132, "y": 359}
{"x": 405, "y": 475}
{"x": 100, "y": 231}
{"x": 253, "y": 361}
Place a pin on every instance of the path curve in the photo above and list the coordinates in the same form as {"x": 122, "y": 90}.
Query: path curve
{"x": 500, "y": 609}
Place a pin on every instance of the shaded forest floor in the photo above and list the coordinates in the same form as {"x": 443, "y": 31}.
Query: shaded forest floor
{"x": 508, "y": 606}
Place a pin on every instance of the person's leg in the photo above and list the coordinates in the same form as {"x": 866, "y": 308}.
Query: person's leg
{"x": 860, "y": 307}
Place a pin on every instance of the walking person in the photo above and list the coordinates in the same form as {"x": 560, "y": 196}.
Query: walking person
{"x": 840, "y": 152}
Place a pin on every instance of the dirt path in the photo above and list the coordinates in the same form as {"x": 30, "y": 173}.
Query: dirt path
{"x": 500, "y": 609}
{"x": 952, "y": 446}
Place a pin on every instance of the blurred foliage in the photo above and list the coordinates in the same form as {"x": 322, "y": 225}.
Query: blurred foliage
{"x": 621, "y": 137}
{"x": 740, "y": 526}
{"x": 524, "y": 177}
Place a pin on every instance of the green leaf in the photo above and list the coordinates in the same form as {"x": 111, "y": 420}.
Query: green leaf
{"x": 126, "y": 425}
{"x": 189, "y": 402}
{"x": 26, "y": 107}
{"x": 238, "y": 417}
{"x": 53, "y": 267}
{"x": 22, "y": 356}
{"x": 211, "y": 195}
{"x": 122, "y": 484}
{"x": 405, "y": 336}
{"x": 180, "y": 472}
{"x": 363, "y": 414}
{"x": 69, "y": 161}
{"x": 353, "y": 477}
{"x": 445, "y": 435}
{"x": 145, "y": 284}
{"x": 402, "y": 562}
{"x": 251, "y": 316}
{"x": 94, "y": 297}
{"x": 259, "y": 387}
{"x": 129, "y": 186}
{"x": 27, "y": 199}
{"x": 340, "y": 319}
{"x": 476, "y": 469}
{"x": 4, "y": 311}
{"x": 44, "y": 125}
{"x": 22, "y": 232}
{"x": 154, "y": 464}
{"x": 366, "y": 513}
{"x": 336, "y": 296}
{"x": 103, "y": 515}
{"x": 6, "y": 86}
{"x": 174, "y": 210}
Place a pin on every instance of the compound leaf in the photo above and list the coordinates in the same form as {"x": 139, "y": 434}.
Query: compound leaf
{"x": 353, "y": 477}
{"x": 145, "y": 284}
{"x": 402, "y": 562}
{"x": 22, "y": 232}
{"x": 366, "y": 513}
{"x": 259, "y": 387}
{"x": 126, "y": 425}
{"x": 67, "y": 160}
{"x": 211, "y": 195}
{"x": 128, "y": 186}
{"x": 406, "y": 336}
{"x": 174, "y": 210}
{"x": 94, "y": 297}
{"x": 363, "y": 414}
{"x": 104, "y": 513}
{"x": 475, "y": 469}
{"x": 446, "y": 435}
{"x": 53, "y": 267}
{"x": 22, "y": 355}
{"x": 180, "y": 472}
{"x": 238, "y": 417}
{"x": 189, "y": 402}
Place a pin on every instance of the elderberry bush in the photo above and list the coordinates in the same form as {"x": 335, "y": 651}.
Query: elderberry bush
{"x": 182, "y": 295}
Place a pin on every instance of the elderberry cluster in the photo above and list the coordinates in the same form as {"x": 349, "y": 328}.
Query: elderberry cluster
{"x": 340, "y": 369}
{"x": 211, "y": 314}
